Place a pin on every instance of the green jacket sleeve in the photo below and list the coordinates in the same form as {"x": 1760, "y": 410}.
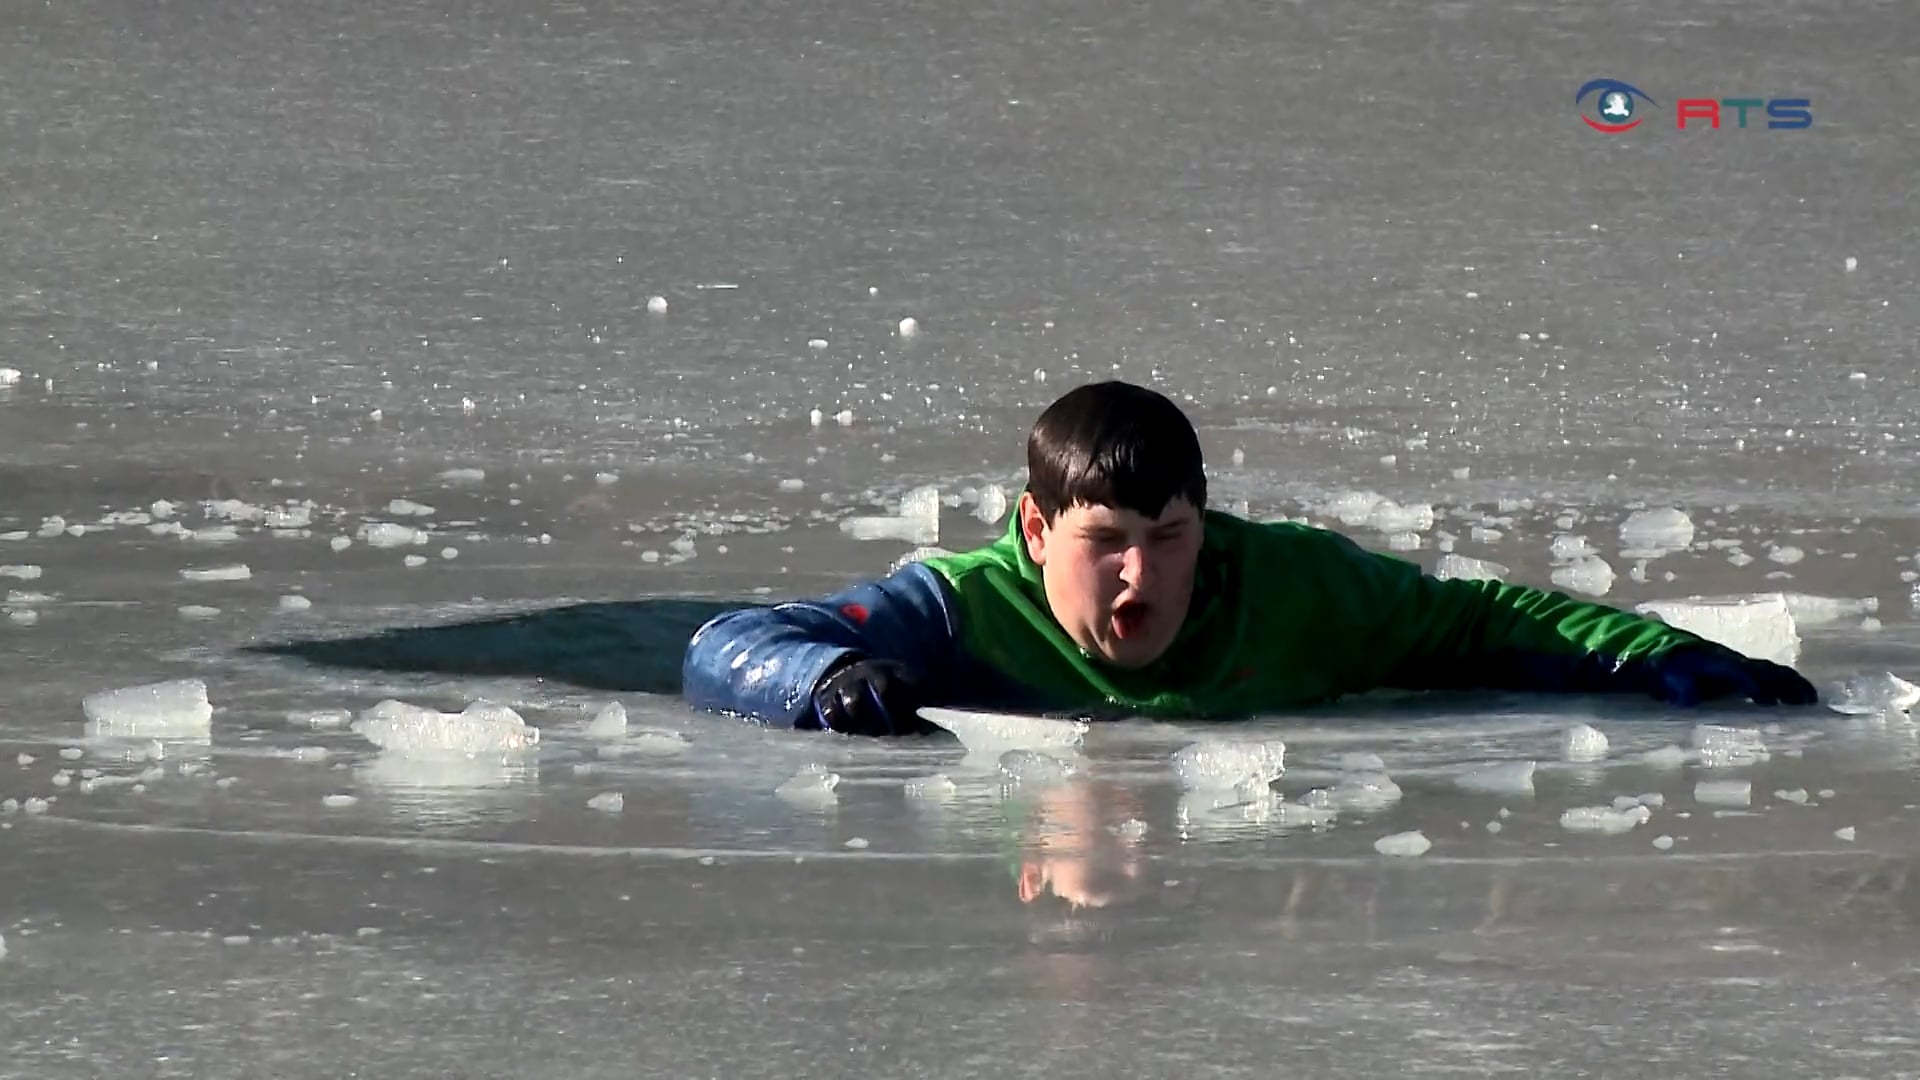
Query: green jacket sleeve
{"x": 1425, "y": 633}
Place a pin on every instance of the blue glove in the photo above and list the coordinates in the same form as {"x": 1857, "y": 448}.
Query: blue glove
{"x": 1702, "y": 671}
{"x": 869, "y": 697}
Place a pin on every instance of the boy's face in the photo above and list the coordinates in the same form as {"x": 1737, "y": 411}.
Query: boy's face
{"x": 1118, "y": 582}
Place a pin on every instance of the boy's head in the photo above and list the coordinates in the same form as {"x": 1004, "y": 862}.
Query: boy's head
{"x": 1111, "y": 514}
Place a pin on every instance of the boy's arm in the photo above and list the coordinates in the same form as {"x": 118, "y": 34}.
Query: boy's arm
{"x": 766, "y": 662}
{"x": 1429, "y": 634}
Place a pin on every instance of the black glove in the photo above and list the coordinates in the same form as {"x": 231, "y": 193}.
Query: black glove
{"x": 869, "y": 697}
{"x": 1690, "y": 674}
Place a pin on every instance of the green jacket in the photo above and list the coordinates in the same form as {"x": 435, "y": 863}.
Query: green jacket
{"x": 1282, "y": 615}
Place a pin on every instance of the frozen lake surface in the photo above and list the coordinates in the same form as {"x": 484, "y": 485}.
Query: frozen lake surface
{"x": 341, "y": 326}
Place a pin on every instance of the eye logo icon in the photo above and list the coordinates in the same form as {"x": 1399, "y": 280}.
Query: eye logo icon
{"x": 1613, "y": 104}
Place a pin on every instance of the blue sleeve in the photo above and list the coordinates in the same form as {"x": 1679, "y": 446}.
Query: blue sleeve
{"x": 763, "y": 662}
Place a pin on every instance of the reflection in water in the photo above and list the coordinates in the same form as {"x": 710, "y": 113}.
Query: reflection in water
{"x": 1080, "y": 844}
{"x": 451, "y": 790}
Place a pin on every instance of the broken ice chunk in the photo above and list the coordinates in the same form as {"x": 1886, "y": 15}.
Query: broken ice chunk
{"x": 1583, "y": 742}
{"x": 1405, "y": 844}
{"x": 1216, "y": 764}
{"x": 607, "y": 802}
{"x": 235, "y": 572}
{"x": 918, "y": 521}
{"x": 1651, "y": 533}
{"x": 812, "y": 785}
{"x": 1870, "y": 695}
{"x": 386, "y": 534}
{"x": 984, "y": 732}
{"x": 1725, "y": 747}
{"x": 411, "y": 731}
{"x": 1504, "y": 778}
{"x": 609, "y": 723}
{"x": 1723, "y": 792}
{"x": 1358, "y": 792}
{"x": 935, "y": 788}
{"x": 1603, "y": 819}
{"x": 1461, "y": 567}
{"x": 1035, "y": 768}
{"x": 1759, "y": 626}
{"x": 167, "y": 709}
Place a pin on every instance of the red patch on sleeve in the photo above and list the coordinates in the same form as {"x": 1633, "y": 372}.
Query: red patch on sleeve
{"x": 856, "y": 612}
{"x": 1245, "y": 674}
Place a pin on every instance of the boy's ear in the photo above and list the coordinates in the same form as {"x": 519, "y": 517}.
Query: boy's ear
{"x": 1033, "y": 528}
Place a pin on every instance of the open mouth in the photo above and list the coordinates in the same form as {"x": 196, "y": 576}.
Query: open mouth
{"x": 1130, "y": 618}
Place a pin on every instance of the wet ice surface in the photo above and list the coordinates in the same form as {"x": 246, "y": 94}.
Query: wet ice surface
{"x": 363, "y": 303}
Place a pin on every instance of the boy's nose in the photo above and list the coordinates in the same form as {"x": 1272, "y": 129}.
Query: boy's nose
{"x": 1133, "y": 566}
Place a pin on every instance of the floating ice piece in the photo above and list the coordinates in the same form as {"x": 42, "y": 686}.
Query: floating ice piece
{"x": 411, "y": 731}
{"x": 918, "y": 520}
{"x": 1035, "y": 767}
{"x": 386, "y": 534}
{"x": 1759, "y": 626}
{"x": 645, "y": 744}
{"x": 1652, "y": 533}
{"x": 657, "y": 305}
{"x": 1451, "y": 567}
{"x": 175, "y": 708}
{"x": 292, "y": 516}
{"x": 1667, "y": 757}
{"x": 1719, "y": 747}
{"x": 1359, "y": 792}
{"x": 1568, "y": 548}
{"x": 319, "y": 718}
{"x": 936, "y": 788}
{"x": 1404, "y": 844}
{"x": 811, "y": 785}
{"x": 1590, "y": 575}
{"x": 992, "y": 505}
{"x": 338, "y": 802}
{"x": 1369, "y": 509}
{"x": 340, "y": 543}
{"x": 1870, "y": 695}
{"x": 21, "y": 572}
{"x": 1797, "y": 796}
{"x": 1603, "y": 819}
{"x": 985, "y": 732}
{"x": 1583, "y": 742}
{"x": 1218, "y": 764}
{"x": 293, "y": 602}
{"x": 1723, "y": 793}
{"x": 199, "y": 611}
{"x": 463, "y": 476}
{"x": 909, "y": 327}
{"x": 1846, "y": 833}
{"x": 235, "y": 572}
{"x": 414, "y": 562}
{"x": 8, "y": 377}
{"x": 409, "y": 508}
{"x": 609, "y": 723}
{"x": 1663, "y": 843}
{"x": 608, "y": 802}
{"x": 1504, "y": 778}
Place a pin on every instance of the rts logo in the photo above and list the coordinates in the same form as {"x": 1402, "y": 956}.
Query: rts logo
{"x": 1616, "y": 107}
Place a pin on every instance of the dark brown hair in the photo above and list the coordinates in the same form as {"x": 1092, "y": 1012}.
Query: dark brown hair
{"x": 1114, "y": 444}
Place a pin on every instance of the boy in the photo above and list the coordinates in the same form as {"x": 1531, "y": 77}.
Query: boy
{"x": 1116, "y": 591}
